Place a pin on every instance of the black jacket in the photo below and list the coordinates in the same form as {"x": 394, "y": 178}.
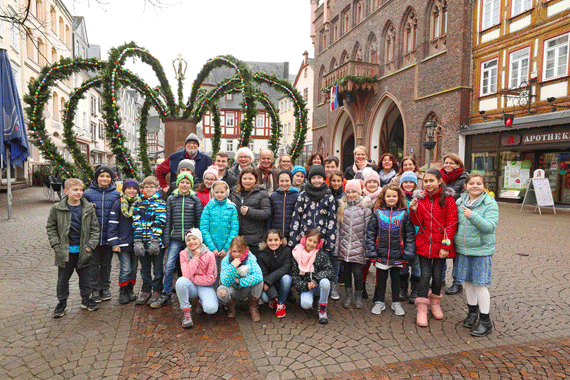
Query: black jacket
{"x": 457, "y": 185}
{"x": 252, "y": 225}
{"x": 274, "y": 265}
{"x": 182, "y": 213}
{"x": 323, "y": 269}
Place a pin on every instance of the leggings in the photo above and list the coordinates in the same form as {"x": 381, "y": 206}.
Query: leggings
{"x": 350, "y": 270}
{"x": 432, "y": 270}
{"x": 478, "y": 295}
{"x": 382, "y": 279}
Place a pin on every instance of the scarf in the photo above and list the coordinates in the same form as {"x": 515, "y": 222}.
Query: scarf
{"x": 306, "y": 259}
{"x": 472, "y": 203}
{"x": 128, "y": 205}
{"x": 451, "y": 176}
{"x": 336, "y": 193}
{"x": 266, "y": 176}
{"x": 373, "y": 195}
{"x": 316, "y": 194}
{"x": 385, "y": 178}
{"x": 356, "y": 169}
{"x": 409, "y": 194}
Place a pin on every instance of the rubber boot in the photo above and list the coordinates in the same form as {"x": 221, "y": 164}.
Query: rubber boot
{"x": 124, "y": 295}
{"x": 403, "y": 295}
{"x": 472, "y": 315}
{"x": 254, "y": 309}
{"x": 415, "y": 281}
{"x": 434, "y": 301}
{"x": 422, "y": 306}
{"x": 358, "y": 301}
{"x": 347, "y": 297}
{"x": 231, "y": 306}
{"x": 132, "y": 295}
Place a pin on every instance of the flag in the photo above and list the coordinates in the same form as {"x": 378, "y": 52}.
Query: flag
{"x": 334, "y": 97}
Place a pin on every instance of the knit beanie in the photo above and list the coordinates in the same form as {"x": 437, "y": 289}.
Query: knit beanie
{"x": 104, "y": 169}
{"x": 189, "y": 164}
{"x": 409, "y": 176}
{"x": 353, "y": 184}
{"x": 297, "y": 169}
{"x": 192, "y": 137}
{"x": 286, "y": 172}
{"x": 370, "y": 174}
{"x": 212, "y": 171}
{"x": 131, "y": 182}
{"x": 187, "y": 176}
{"x": 220, "y": 182}
{"x": 196, "y": 232}
{"x": 317, "y": 170}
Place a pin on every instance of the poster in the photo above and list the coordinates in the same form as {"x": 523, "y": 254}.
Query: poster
{"x": 517, "y": 174}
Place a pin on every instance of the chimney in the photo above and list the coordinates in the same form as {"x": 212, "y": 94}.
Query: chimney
{"x": 306, "y": 55}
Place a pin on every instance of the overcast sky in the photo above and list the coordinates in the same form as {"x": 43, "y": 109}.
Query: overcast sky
{"x": 251, "y": 30}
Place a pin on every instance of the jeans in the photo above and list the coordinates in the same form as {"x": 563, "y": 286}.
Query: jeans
{"x": 171, "y": 257}
{"x": 432, "y": 270}
{"x": 414, "y": 265}
{"x": 101, "y": 268}
{"x": 283, "y": 288}
{"x": 240, "y": 294}
{"x": 323, "y": 289}
{"x": 353, "y": 270}
{"x": 128, "y": 264}
{"x": 64, "y": 274}
{"x": 186, "y": 290}
{"x": 453, "y": 271}
{"x": 336, "y": 268}
{"x": 382, "y": 279}
{"x": 155, "y": 261}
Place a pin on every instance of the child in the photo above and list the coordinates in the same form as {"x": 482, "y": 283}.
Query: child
{"x": 183, "y": 211}
{"x": 219, "y": 224}
{"x": 240, "y": 279}
{"x": 316, "y": 208}
{"x": 204, "y": 189}
{"x": 331, "y": 164}
{"x": 149, "y": 219}
{"x": 184, "y": 166}
{"x": 275, "y": 263}
{"x": 103, "y": 194}
{"x": 372, "y": 189}
{"x": 299, "y": 174}
{"x": 478, "y": 216}
{"x": 73, "y": 232}
{"x": 435, "y": 212}
{"x": 283, "y": 203}
{"x": 199, "y": 273}
{"x": 336, "y": 183}
{"x": 390, "y": 243}
{"x": 409, "y": 183}
{"x": 312, "y": 272}
{"x": 121, "y": 238}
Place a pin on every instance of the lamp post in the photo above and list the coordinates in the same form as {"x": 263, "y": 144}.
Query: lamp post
{"x": 430, "y": 144}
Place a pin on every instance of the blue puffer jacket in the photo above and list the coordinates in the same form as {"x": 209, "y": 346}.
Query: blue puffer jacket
{"x": 282, "y": 206}
{"x": 120, "y": 229}
{"x": 219, "y": 224}
{"x": 103, "y": 198}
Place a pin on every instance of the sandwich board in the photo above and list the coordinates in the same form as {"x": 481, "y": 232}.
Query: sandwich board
{"x": 538, "y": 193}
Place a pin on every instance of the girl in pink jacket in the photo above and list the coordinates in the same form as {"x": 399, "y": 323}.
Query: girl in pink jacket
{"x": 199, "y": 272}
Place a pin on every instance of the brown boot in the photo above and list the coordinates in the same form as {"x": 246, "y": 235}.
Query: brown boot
{"x": 231, "y": 306}
{"x": 254, "y": 310}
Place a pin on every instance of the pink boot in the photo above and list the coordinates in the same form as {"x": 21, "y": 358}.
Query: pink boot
{"x": 435, "y": 305}
{"x": 422, "y": 306}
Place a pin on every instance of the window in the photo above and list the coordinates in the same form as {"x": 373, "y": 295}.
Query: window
{"x": 93, "y": 131}
{"x": 345, "y": 21}
{"x": 439, "y": 19}
{"x": 53, "y": 18}
{"x": 93, "y": 106}
{"x": 556, "y": 57}
{"x": 491, "y": 13}
{"x": 489, "y": 77}
{"x": 53, "y": 55}
{"x": 389, "y": 45}
{"x": 519, "y": 67}
{"x": 230, "y": 119}
{"x": 306, "y": 94}
{"x": 67, "y": 36}
{"x": 41, "y": 52}
{"x": 229, "y": 145}
{"x": 229, "y": 97}
{"x": 62, "y": 106}
{"x": 40, "y": 10}
{"x": 520, "y": 6}
{"x": 55, "y": 105}
{"x": 30, "y": 49}
{"x": 101, "y": 131}
{"x": 152, "y": 148}
{"x": 359, "y": 12}
{"x": 306, "y": 72}
{"x": 260, "y": 121}
{"x": 61, "y": 29}
{"x": 15, "y": 34}
{"x": 411, "y": 27}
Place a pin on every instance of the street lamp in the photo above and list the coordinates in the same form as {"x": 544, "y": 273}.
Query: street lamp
{"x": 430, "y": 144}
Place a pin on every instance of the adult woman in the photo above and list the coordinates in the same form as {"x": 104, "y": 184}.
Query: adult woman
{"x": 244, "y": 159}
{"x": 253, "y": 206}
{"x": 360, "y": 162}
{"x": 204, "y": 189}
{"x": 409, "y": 164}
{"x": 387, "y": 168}
{"x": 314, "y": 159}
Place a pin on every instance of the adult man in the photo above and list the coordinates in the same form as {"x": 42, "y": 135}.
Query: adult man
{"x": 221, "y": 161}
{"x": 191, "y": 152}
{"x": 285, "y": 162}
{"x": 268, "y": 176}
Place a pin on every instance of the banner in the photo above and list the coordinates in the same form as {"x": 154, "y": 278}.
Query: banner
{"x": 334, "y": 97}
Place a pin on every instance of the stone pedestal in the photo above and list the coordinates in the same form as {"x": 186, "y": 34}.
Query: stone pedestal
{"x": 175, "y": 133}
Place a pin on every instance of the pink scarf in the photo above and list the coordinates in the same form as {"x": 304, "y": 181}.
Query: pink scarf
{"x": 306, "y": 259}
{"x": 373, "y": 195}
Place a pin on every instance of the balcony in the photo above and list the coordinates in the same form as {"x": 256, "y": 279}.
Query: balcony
{"x": 356, "y": 68}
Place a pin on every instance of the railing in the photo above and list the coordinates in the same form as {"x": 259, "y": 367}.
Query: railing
{"x": 356, "y": 68}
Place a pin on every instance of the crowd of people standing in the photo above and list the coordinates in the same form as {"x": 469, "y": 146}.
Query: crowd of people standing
{"x": 254, "y": 232}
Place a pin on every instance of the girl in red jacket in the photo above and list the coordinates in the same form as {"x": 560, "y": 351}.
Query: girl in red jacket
{"x": 434, "y": 211}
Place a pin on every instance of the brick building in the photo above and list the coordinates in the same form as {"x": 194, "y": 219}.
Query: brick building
{"x": 420, "y": 52}
{"x": 520, "y": 68}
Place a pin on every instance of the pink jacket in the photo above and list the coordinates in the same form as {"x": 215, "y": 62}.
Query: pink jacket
{"x": 202, "y": 271}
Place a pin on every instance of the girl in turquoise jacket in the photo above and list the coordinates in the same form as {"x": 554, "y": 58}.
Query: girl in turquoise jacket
{"x": 474, "y": 241}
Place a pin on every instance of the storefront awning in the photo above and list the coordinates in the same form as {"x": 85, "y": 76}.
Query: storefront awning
{"x": 525, "y": 122}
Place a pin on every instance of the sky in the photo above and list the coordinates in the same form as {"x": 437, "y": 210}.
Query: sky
{"x": 250, "y": 30}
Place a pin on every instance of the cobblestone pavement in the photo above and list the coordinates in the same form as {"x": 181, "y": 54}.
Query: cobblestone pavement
{"x": 530, "y": 309}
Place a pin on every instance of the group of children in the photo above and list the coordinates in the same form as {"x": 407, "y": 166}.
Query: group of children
{"x": 321, "y": 227}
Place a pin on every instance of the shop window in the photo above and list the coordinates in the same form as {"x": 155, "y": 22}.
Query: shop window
{"x": 486, "y": 164}
{"x": 514, "y": 170}
{"x": 556, "y": 57}
{"x": 519, "y": 67}
{"x": 489, "y": 77}
{"x": 491, "y": 13}
{"x": 520, "y": 6}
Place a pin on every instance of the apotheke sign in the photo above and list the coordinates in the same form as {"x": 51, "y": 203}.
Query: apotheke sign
{"x": 549, "y": 137}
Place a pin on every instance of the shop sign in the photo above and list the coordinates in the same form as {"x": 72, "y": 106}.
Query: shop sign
{"x": 510, "y": 140}
{"x": 484, "y": 143}
{"x": 550, "y": 137}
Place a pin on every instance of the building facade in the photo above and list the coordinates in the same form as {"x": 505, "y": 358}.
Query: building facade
{"x": 521, "y": 70}
{"x": 398, "y": 64}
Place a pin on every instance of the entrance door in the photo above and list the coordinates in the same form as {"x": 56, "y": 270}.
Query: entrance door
{"x": 347, "y": 153}
{"x": 396, "y": 140}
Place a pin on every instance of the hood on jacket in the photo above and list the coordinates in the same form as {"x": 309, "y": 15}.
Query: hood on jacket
{"x": 421, "y": 194}
{"x": 95, "y": 186}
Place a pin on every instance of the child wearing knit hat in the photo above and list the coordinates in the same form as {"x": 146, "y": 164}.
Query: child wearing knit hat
{"x": 204, "y": 189}
{"x": 299, "y": 174}
{"x": 372, "y": 189}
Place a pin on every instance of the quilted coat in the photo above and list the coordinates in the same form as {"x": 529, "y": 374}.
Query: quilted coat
{"x": 323, "y": 269}
{"x": 476, "y": 236}
{"x": 120, "y": 229}
{"x": 252, "y": 224}
{"x": 219, "y": 224}
{"x": 149, "y": 218}
{"x": 282, "y": 206}
{"x": 435, "y": 223}
{"x": 352, "y": 230}
{"x": 228, "y": 273}
{"x": 103, "y": 199}
{"x": 182, "y": 213}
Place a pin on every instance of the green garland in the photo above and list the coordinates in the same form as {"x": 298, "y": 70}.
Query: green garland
{"x": 217, "y": 129}
{"x": 143, "y": 132}
{"x": 355, "y": 78}
{"x": 276, "y": 127}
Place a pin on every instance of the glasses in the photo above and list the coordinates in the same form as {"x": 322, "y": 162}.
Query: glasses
{"x": 150, "y": 187}
{"x": 209, "y": 179}
{"x": 449, "y": 163}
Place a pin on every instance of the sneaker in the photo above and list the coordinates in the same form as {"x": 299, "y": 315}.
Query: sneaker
{"x": 323, "y": 319}
{"x": 187, "y": 318}
{"x": 280, "y": 313}
{"x": 272, "y": 304}
{"x": 161, "y": 301}
{"x": 60, "y": 309}
{"x": 398, "y": 309}
{"x": 96, "y": 296}
{"x": 105, "y": 295}
{"x": 154, "y": 297}
{"x": 143, "y": 298}
{"x": 90, "y": 305}
{"x": 378, "y": 307}
{"x": 334, "y": 293}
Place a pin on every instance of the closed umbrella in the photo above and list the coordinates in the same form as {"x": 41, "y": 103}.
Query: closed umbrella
{"x": 14, "y": 146}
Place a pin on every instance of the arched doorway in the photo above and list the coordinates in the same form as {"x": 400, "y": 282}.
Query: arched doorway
{"x": 396, "y": 139}
{"x": 343, "y": 140}
{"x": 388, "y": 131}
{"x": 347, "y": 153}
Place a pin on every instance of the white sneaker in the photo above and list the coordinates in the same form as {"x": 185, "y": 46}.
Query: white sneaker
{"x": 398, "y": 309}
{"x": 378, "y": 307}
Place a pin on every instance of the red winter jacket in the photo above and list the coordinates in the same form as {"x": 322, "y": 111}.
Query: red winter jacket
{"x": 435, "y": 223}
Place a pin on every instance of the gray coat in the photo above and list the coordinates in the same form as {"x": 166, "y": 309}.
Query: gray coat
{"x": 182, "y": 213}
{"x": 352, "y": 230}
